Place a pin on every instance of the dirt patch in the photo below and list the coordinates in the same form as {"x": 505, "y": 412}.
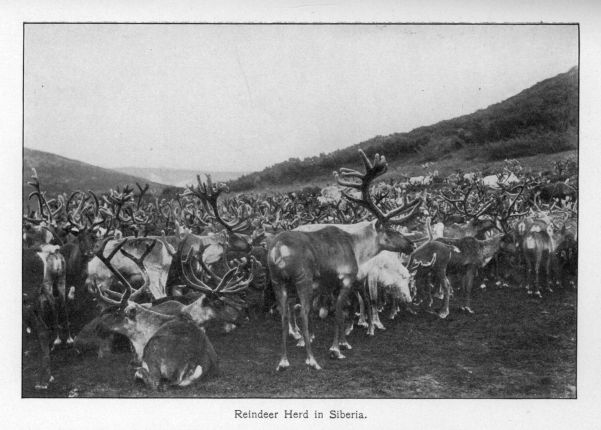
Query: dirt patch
{"x": 514, "y": 346}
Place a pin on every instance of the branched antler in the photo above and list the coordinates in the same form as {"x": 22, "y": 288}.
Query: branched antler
{"x": 347, "y": 178}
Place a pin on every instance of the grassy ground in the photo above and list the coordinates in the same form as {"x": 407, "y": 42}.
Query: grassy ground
{"x": 411, "y": 166}
{"x": 515, "y": 346}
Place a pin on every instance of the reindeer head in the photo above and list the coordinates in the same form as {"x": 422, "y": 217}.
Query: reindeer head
{"x": 208, "y": 194}
{"x": 223, "y": 302}
{"x": 387, "y": 237}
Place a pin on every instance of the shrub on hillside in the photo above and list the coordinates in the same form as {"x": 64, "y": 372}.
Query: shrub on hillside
{"x": 531, "y": 144}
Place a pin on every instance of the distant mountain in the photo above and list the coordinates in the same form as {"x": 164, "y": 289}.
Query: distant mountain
{"x": 542, "y": 119}
{"x": 60, "y": 174}
{"x": 176, "y": 177}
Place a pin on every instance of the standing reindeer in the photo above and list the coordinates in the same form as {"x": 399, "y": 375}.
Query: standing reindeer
{"x": 320, "y": 258}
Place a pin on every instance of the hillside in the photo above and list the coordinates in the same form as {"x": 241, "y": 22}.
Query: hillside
{"x": 542, "y": 119}
{"x": 175, "y": 177}
{"x": 60, "y": 174}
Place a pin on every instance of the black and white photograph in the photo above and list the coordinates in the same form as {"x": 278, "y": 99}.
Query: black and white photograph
{"x": 268, "y": 210}
{"x": 301, "y": 220}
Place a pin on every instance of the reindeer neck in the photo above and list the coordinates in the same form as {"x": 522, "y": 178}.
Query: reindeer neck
{"x": 365, "y": 241}
{"x": 490, "y": 247}
{"x": 147, "y": 323}
{"x": 153, "y": 316}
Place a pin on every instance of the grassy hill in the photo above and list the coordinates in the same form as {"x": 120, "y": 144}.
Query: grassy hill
{"x": 61, "y": 174}
{"x": 542, "y": 119}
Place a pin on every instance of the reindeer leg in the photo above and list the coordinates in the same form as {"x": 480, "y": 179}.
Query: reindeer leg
{"x": 62, "y": 294}
{"x": 528, "y": 274}
{"x": 394, "y": 310}
{"x": 374, "y": 318}
{"x": 339, "y": 336}
{"x": 536, "y": 275}
{"x": 305, "y": 299}
{"x": 293, "y": 329}
{"x": 428, "y": 290}
{"x": 283, "y": 296}
{"x": 469, "y": 281}
{"x": 362, "y": 317}
{"x": 44, "y": 377}
{"x": 446, "y": 285}
{"x": 51, "y": 303}
{"x": 548, "y": 282}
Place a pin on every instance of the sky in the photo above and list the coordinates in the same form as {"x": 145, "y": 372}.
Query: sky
{"x": 243, "y": 97}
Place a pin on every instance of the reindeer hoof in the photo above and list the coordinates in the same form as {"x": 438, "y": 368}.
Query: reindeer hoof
{"x": 529, "y": 292}
{"x": 362, "y": 323}
{"x": 345, "y": 345}
{"x": 468, "y": 310}
{"x": 443, "y": 314}
{"x": 311, "y": 362}
{"x": 335, "y": 354}
{"x": 283, "y": 365}
{"x": 538, "y": 294}
{"x": 140, "y": 373}
{"x": 70, "y": 341}
{"x": 300, "y": 343}
{"x": 44, "y": 385}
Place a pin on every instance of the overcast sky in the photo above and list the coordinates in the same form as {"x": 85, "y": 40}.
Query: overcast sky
{"x": 242, "y": 97}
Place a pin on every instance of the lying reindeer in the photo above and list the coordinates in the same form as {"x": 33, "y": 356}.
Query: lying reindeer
{"x": 154, "y": 331}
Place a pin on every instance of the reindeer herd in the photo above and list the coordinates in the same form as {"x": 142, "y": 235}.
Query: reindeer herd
{"x": 159, "y": 269}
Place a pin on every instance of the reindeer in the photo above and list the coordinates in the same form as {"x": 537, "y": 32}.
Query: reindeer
{"x": 431, "y": 258}
{"x": 384, "y": 272}
{"x": 541, "y": 244}
{"x": 475, "y": 226}
{"x": 167, "y": 338}
{"x": 43, "y": 272}
{"x": 319, "y": 257}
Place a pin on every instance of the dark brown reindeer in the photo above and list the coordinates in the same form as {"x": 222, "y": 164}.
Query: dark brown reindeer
{"x": 432, "y": 258}
{"x": 472, "y": 211}
{"x": 319, "y": 258}
{"x": 43, "y": 272}
{"x": 475, "y": 253}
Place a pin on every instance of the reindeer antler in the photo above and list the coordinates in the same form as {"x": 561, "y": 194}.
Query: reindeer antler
{"x": 463, "y": 209}
{"x": 208, "y": 194}
{"x": 372, "y": 171}
{"x": 42, "y": 203}
{"x": 233, "y": 282}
